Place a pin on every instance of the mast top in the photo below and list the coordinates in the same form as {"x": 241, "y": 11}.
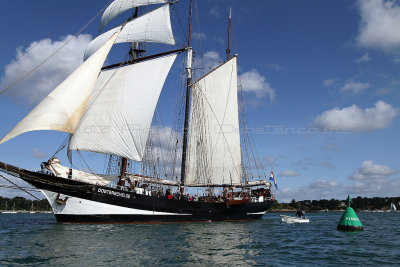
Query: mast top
{"x": 228, "y": 50}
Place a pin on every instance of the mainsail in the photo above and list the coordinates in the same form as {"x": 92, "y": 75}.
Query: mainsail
{"x": 62, "y": 109}
{"x": 119, "y": 6}
{"x": 214, "y": 155}
{"x": 118, "y": 118}
{"x": 152, "y": 27}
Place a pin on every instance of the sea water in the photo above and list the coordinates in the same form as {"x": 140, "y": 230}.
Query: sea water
{"x": 37, "y": 240}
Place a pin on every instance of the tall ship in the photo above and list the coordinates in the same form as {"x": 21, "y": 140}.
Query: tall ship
{"x": 206, "y": 172}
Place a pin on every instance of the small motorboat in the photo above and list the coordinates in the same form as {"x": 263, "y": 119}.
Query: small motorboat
{"x": 294, "y": 219}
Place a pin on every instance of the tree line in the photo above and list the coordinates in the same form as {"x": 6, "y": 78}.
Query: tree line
{"x": 21, "y": 203}
{"x": 358, "y": 203}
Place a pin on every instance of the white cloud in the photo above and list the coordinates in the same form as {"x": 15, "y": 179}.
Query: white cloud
{"x": 199, "y": 35}
{"x": 373, "y": 180}
{"x": 331, "y": 147}
{"x": 354, "y": 87}
{"x": 380, "y": 24}
{"x": 371, "y": 172}
{"x": 46, "y": 78}
{"x": 390, "y": 87}
{"x": 215, "y": 12}
{"x": 303, "y": 163}
{"x": 319, "y": 189}
{"x": 370, "y": 180}
{"x": 354, "y": 119}
{"x": 208, "y": 61}
{"x": 330, "y": 82}
{"x": 289, "y": 173}
{"x": 384, "y": 91}
{"x": 211, "y": 59}
{"x": 271, "y": 161}
{"x": 253, "y": 81}
{"x": 326, "y": 164}
{"x": 274, "y": 66}
{"x": 36, "y": 153}
{"x": 364, "y": 58}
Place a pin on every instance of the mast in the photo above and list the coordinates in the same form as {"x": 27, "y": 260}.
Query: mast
{"x": 134, "y": 53}
{"x": 188, "y": 82}
{"x": 228, "y": 50}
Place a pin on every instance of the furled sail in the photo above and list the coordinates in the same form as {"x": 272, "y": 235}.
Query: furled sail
{"x": 119, "y": 6}
{"x": 62, "y": 109}
{"x": 214, "y": 155}
{"x": 152, "y": 27}
{"x": 118, "y": 118}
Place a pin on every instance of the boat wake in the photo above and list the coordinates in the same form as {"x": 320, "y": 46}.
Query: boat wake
{"x": 292, "y": 219}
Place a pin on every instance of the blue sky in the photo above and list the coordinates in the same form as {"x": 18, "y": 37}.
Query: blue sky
{"x": 320, "y": 79}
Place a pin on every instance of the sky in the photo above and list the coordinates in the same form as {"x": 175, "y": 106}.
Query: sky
{"x": 320, "y": 81}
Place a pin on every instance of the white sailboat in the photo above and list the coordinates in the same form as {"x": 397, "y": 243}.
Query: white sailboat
{"x": 392, "y": 207}
{"x": 110, "y": 110}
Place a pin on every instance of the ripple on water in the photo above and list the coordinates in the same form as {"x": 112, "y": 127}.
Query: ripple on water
{"x": 37, "y": 240}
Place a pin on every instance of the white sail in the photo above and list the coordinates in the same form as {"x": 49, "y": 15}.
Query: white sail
{"x": 118, "y": 117}
{"x": 119, "y": 6}
{"x": 214, "y": 155}
{"x": 152, "y": 27}
{"x": 62, "y": 109}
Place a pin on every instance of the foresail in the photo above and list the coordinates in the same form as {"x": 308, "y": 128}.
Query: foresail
{"x": 119, "y": 6}
{"x": 152, "y": 27}
{"x": 118, "y": 118}
{"x": 214, "y": 155}
{"x": 62, "y": 109}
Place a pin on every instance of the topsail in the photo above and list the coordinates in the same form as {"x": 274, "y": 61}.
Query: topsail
{"x": 154, "y": 26}
{"x": 119, "y": 6}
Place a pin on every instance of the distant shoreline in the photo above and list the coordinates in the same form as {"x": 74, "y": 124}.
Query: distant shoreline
{"x": 23, "y": 211}
{"x": 315, "y": 211}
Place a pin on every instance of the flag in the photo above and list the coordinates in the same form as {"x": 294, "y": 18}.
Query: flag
{"x": 272, "y": 178}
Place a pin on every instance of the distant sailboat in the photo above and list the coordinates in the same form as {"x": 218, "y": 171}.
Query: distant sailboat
{"x": 31, "y": 211}
{"x": 392, "y": 207}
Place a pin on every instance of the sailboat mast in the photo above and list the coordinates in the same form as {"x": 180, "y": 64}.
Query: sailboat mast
{"x": 134, "y": 53}
{"x": 188, "y": 82}
{"x": 228, "y": 50}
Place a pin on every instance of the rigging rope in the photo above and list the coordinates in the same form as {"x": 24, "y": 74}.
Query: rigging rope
{"x": 63, "y": 144}
{"x": 90, "y": 170}
{"x": 180, "y": 24}
{"x": 55, "y": 52}
{"x": 18, "y": 187}
{"x": 254, "y": 152}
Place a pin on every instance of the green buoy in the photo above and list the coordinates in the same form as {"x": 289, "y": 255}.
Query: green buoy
{"x": 349, "y": 220}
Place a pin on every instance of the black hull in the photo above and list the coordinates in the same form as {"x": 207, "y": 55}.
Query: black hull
{"x": 155, "y": 209}
{"x": 142, "y": 219}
